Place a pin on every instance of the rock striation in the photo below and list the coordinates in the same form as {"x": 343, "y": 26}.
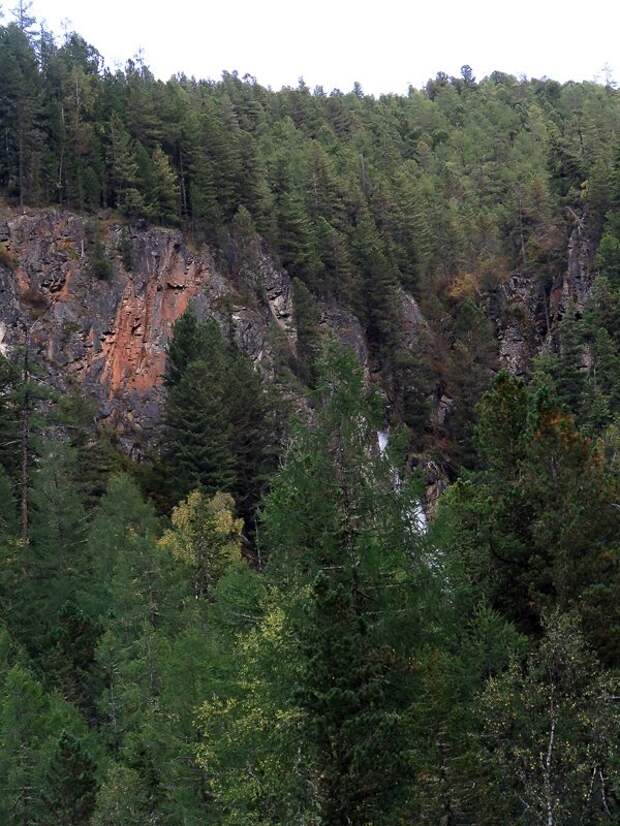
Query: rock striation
{"x": 109, "y": 335}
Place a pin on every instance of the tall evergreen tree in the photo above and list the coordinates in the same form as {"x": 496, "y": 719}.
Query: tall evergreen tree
{"x": 336, "y": 629}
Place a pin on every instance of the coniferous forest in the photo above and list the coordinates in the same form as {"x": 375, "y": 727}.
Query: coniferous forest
{"x": 255, "y": 623}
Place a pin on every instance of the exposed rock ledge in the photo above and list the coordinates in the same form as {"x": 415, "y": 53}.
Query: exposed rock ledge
{"x": 110, "y": 336}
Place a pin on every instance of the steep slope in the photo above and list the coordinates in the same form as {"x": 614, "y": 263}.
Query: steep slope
{"x": 110, "y": 335}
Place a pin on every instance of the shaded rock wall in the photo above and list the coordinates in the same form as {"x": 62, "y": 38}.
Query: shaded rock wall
{"x": 110, "y": 336}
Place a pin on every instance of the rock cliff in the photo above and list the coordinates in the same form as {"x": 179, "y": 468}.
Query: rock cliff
{"x": 110, "y": 334}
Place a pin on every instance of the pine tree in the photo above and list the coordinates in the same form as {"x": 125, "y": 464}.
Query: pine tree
{"x": 221, "y": 427}
{"x": 9, "y": 524}
{"x": 526, "y": 535}
{"x": 307, "y": 319}
{"x": 70, "y": 782}
{"x": 188, "y": 343}
{"x": 124, "y": 170}
{"x": 296, "y": 241}
{"x": 256, "y": 418}
{"x": 50, "y": 568}
{"x": 20, "y": 105}
{"x": 199, "y": 432}
{"x": 200, "y": 188}
{"x": 9, "y": 417}
{"x": 23, "y": 731}
{"x": 328, "y": 661}
{"x": 31, "y": 723}
{"x": 164, "y": 203}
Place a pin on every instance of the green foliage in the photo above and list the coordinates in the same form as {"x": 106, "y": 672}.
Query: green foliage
{"x": 98, "y": 259}
{"x": 308, "y": 337}
{"x": 163, "y": 206}
{"x": 501, "y": 431}
{"x": 70, "y": 779}
{"x": 11, "y": 395}
{"x": 199, "y": 431}
{"x": 535, "y": 524}
{"x": 8, "y": 509}
{"x": 221, "y": 422}
{"x": 32, "y": 724}
{"x": 126, "y": 250}
{"x": 121, "y": 800}
{"x": 551, "y": 727}
{"x": 329, "y": 662}
{"x": 368, "y": 674}
{"x": 96, "y": 455}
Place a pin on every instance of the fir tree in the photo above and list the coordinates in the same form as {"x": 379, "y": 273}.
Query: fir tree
{"x": 164, "y": 203}
{"x": 199, "y": 432}
{"x": 71, "y": 783}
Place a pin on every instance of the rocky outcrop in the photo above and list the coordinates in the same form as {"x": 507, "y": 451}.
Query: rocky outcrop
{"x": 345, "y": 327}
{"x": 412, "y": 319}
{"x": 519, "y": 325}
{"x": 111, "y": 335}
{"x": 526, "y": 314}
{"x": 572, "y": 288}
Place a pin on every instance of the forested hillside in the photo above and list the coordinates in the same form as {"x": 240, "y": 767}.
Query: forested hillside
{"x": 247, "y": 337}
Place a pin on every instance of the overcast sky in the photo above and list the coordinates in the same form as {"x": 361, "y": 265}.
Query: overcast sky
{"x": 384, "y": 44}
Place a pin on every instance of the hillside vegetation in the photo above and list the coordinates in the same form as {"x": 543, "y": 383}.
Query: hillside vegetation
{"x": 253, "y": 626}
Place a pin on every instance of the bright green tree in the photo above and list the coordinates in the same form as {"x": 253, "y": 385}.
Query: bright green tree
{"x": 330, "y": 662}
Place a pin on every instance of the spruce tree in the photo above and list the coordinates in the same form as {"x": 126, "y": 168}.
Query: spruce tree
{"x": 329, "y": 661}
{"x": 199, "y": 432}
{"x": 256, "y": 418}
{"x": 221, "y": 427}
{"x": 187, "y": 344}
{"x": 70, "y": 782}
{"x": 164, "y": 203}
{"x": 307, "y": 319}
{"x": 124, "y": 170}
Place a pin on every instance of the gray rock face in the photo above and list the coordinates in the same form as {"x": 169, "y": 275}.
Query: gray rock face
{"x": 412, "y": 319}
{"x": 528, "y": 317}
{"x": 110, "y": 336}
{"x": 345, "y": 327}
{"x": 518, "y": 324}
{"x": 575, "y": 283}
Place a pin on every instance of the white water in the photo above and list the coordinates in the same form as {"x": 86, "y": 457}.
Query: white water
{"x": 417, "y": 515}
{"x": 383, "y": 439}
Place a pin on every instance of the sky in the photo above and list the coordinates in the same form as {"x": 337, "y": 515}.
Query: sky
{"x": 386, "y": 45}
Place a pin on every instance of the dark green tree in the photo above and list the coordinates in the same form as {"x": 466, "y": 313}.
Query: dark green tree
{"x": 71, "y": 784}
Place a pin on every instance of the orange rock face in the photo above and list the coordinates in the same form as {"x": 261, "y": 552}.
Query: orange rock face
{"x": 133, "y": 356}
{"x": 108, "y": 335}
